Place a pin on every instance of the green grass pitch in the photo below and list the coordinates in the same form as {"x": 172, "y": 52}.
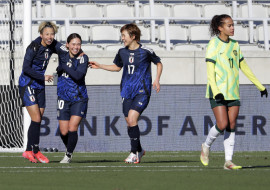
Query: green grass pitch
{"x": 158, "y": 170}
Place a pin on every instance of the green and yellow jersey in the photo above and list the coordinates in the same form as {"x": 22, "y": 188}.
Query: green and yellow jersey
{"x": 223, "y": 61}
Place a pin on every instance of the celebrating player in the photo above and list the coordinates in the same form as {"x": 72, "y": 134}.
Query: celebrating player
{"x": 136, "y": 83}
{"x": 72, "y": 93}
{"x": 32, "y": 85}
{"x": 224, "y": 59}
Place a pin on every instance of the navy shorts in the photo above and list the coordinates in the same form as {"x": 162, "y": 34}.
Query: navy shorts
{"x": 138, "y": 103}
{"x": 66, "y": 109}
{"x": 31, "y": 96}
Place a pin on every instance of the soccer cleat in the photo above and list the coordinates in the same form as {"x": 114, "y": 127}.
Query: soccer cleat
{"x": 66, "y": 160}
{"x": 131, "y": 158}
{"x": 204, "y": 155}
{"x": 231, "y": 166}
{"x": 30, "y": 156}
{"x": 139, "y": 156}
{"x": 41, "y": 158}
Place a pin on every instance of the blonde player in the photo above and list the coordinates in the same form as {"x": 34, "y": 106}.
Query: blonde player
{"x": 224, "y": 59}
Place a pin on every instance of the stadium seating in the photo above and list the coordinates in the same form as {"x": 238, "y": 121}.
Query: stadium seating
{"x": 178, "y": 33}
{"x": 91, "y": 47}
{"x": 251, "y": 47}
{"x": 82, "y": 30}
{"x": 88, "y": 11}
{"x": 61, "y": 10}
{"x": 241, "y": 33}
{"x": 145, "y": 33}
{"x": 199, "y": 33}
{"x": 186, "y": 10}
{"x": 112, "y": 10}
{"x": 260, "y": 33}
{"x": 181, "y": 32}
{"x": 258, "y": 10}
{"x": 105, "y": 33}
{"x": 209, "y": 10}
{"x": 155, "y": 47}
{"x": 113, "y": 47}
{"x": 187, "y": 47}
{"x": 161, "y": 10}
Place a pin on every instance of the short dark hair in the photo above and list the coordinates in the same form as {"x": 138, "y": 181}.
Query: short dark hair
{"x": 72, "y": 36}
{"x": 133, "y": 30}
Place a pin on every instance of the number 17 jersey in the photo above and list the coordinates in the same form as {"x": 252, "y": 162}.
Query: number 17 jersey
{"x": 136, "y": 78}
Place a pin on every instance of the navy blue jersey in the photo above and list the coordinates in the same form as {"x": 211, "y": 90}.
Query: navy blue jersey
{"x": 136, "y": 78}
{"x": 35, "y": 63}
{"x": 71, "y": 77}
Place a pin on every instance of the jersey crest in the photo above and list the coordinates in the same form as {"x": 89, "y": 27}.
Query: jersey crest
{"x": 131, "y": 58}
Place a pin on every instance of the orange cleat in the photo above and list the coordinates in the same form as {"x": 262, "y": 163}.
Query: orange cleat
{"x": 29, "y": 156}
{"x": 41, "y": 158}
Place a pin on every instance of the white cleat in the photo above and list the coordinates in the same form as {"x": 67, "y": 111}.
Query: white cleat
{"x": 204, "y": 155}
{"x": 66, "y": 160}
{"x": 131, "y": 158}
{"x": 139, "y": 156}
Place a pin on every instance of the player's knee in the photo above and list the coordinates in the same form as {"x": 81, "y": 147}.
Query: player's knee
{"x": 222, "y": 125}
{"x": 64, "y": 132}
{"x": 36, "y": 119}
{"x": 131, "y": 121}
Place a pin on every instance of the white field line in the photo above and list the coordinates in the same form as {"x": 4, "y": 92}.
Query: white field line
{"x": 149, "y": 156}
{"x": 74, "y": 167}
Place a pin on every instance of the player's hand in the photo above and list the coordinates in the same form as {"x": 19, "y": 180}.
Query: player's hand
{"x": 219, "y": 98}
{"x": 93, "y": 65}
{"x": 49, "y": 78}
{"x": 156, "y": 86}
{"x": 264, "y": 92}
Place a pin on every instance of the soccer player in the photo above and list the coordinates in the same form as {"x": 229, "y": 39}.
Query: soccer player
{"x": 32, "y": 85}
{"x": 136, "y": 83}
{"x": 72, "y": 93}
{"x": 224, "y": 59}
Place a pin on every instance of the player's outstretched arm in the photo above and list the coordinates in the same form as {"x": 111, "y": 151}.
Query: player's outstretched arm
{"x": 96, "y": 65}
{"x": 156, "y": 84}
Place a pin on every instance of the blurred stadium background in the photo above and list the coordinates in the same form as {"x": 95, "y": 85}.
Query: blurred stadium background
{"x": 178, "y": 31}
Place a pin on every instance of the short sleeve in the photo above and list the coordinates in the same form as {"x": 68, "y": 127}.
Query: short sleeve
{"x": 154, "y": 58}
{"x": 118, "y": 60}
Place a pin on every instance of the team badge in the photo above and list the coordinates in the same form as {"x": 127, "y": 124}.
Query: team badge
{"x": 131, "y": 58}
{"x": 69, "y": 63}
{"x": 32, "y": 98}
{"x": 46, "y": 55}
{"x": 235, "y": 52}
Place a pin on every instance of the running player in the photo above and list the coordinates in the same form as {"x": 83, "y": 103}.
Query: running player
{"x": 136, "y": 83}
{"x": 224, "y": 59}
{"x": 72, "y": 93}
{"x": 32, "y": 85}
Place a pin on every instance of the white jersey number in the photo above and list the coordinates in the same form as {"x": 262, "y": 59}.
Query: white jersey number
{"x": 131, "y": 69}
{"x": 61, "y": 104}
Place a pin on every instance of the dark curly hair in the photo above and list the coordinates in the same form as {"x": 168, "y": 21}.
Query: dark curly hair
{"x": 217, "y": 21}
